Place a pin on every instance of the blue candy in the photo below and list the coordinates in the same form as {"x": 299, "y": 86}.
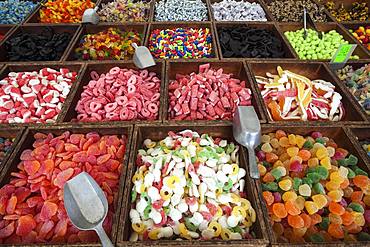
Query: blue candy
{"x": 15, "y": 11}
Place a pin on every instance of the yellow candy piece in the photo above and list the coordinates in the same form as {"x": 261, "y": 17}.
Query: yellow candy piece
{"x": 275, "y": 143}
{"x": 262, "y": 169}
{"x": 137, "y": 177}
{"x": 311, "y": 207}
{"x": 219, "y": 212}
{"x": 300, "y": 202}
{"x": 325, "y": 162}
{"x": 153, "y": 234}
{"x": 183, "y": 230}
{"x": 216, "y": 227}
{"x": 165, "y": 194}
{"x": 336, "y": 195}
{"x": 292, "y": 151}
{"x": 359, "y": 218}
{"x": 289, "y": 196}
{"x": 292, "y": 139}
{"x": 235, "y": 198}
{"x": 322, "y": 153}
{"x": 238, "y": 210}
{"x": 245, "y": 204}
{"x": 313, "y": 162}
{"x": 235, "y": 169}
{"x": 172, "y": 181}
{"x": 320, "y": 200}
{"x": 142, "y": 189}
{"x": 251, "y": 214}
{"x": 304, "y": 190}
{"x": 285, "y": 184}
{"x": 332, "y": 185}
{"x": 138, "y": 227}
{"x": 300, "y": 140}
{"x": 225, "y": 234}
{"x": 247, "y": 222}
{"x": 336, "y": 177}
{"x": 218, "y": 191}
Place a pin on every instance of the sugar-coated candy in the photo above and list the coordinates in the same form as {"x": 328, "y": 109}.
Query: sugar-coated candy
{"x": 231, "y": 10}
{"x": 320, "y": 202}
{"x": 190, "y": 186}
{"x": 5, "y": 146}
{"x": 120, "y": 94}
{"x": 118, "y": 11}
{"x": 184, "y": 10}
{"x": 15, "y": 11}
{"x": 362, "y": 34}
{"x": 359, "y": 11}
{"x": 110, "y": 44}
{"x": 36, "y": 96}
{"x": 178, "y": 43}
{"x": 290, "y": 96}
{"x": 31, "y": 204}
{"x": 207, "y": 94}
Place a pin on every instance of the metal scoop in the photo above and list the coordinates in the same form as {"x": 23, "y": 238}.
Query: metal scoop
{"x": 91, "y": 16}
{"x": 142, "y": 57}
{"x": 247, "y": 132}
{"x": 86, "y": 205}
{"x": 308, "y": 19}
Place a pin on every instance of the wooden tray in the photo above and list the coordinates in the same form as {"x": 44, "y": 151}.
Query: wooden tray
{"x": 340, "y": 136}
{"x": 167, "y": 25}
{"x": 289, "y": 52}
{"x": 69, "y": 114}
{"x": 78, "y": 67}
{"x": 237, "y": 68}
{"x": 10, "y": 132}
{"x": 156, "y": 133}
{"x": 359, "y": 51}
{"x": 6, "y": 31}
{"x": 71, "y": 29}
{"x": 354, "y": 26}
{"x": 26, "y": 143}
{"x": 360, "y": 133}
{"x": 269, "y": 17}
{"x": 92, "y": 29}
{"x": 311, "y": 70}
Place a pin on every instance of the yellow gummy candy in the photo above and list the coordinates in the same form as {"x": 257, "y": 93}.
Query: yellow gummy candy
{"x": 285, "y": 184}
{"x": 322, "y": 153}
{"x": 172, "y": 181}
{"x": 292, "y": 151}
{"x": 292, "y": 139}
{"x": 216, "y": 227}
{"x": 289, "y": 196}
{"x": 238, "y": 210}
{"x": 311, "y": 207}
{"x": 320, "y": 201}
{"x": 325, "y": 162}
{"x": 153, "y": 234}
{"x": 225, "y": 234}
{"x": 300, "y": 140}
{"x": 138, "y": 227}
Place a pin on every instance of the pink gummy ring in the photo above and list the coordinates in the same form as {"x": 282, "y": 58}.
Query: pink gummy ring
{"x": 114, "y": 71}
{"x": 94, "y": 75}
{"x": 153, "y": 108}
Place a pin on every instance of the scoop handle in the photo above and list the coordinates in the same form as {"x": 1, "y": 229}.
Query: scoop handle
{"x": 253, "y": 169}
{"x": 134, "y": 45}
{"x": 104, "y": 239}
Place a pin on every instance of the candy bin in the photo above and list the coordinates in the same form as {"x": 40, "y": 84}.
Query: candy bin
{"x": 361, "y": 32}
{"x": 120, "y": 11}
{"x": 251, "y": 41}
{"x": 9, "y": 137}
{"x": 16, "y": 11}
{"x": 314, "y": 186}
{"x": 135, "y": 97}
{"x": 181, "y": 11}
{"x": 37, "y": 43}
{"x": 33, "y": 178}
{"x": 183, "y": 208}
{"x": 348, "y": 10}
{"x": 165, "y": 41}
{"x": 314, "y": 48}
{"x": 362, "y": 137}
{"x": 107, "y": 42}
{"x": 189, "y": 99}
{"x": 316, "y": 96}
{"x": 39, "y": 99}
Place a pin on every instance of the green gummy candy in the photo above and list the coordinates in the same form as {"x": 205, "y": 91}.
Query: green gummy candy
{"x": 319, "y": 188}
{"x": 363, "y": 236}
{"x": 317, "y": 237}
{"x": 236, "y": 229}
{"x": 229, "y": 185}
{"x": 133, "y": 195}
{"x": 266, "y": 164}
{"x": 307, "y": 181}
{"x": 230, "y": 148}
{"x": 351, "y": 173}
{"x": 356, "y": 207}
{"x": 351, "y": 160}
{"x": 359, "y": 171}
{"x": 315, "y": 177}
{"x": 324, "y": 224}
{"x": 320, "y": 140}
{"x": 322, "y": 171}
{"x": 147, "y": 211}
{"x": 342, "y": 162}
{"x": 296, "y": 183}
{"x": 190, "y": 225}
{"x": 276, "y": 173}
{"x": 272, "y": 186}
{"x": 308, "y": 145}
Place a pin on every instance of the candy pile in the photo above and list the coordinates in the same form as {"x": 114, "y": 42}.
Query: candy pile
{"x": 209, "y": 94}
{"x": 290, "y": 96}
{"x": 15, "y": 11}
{"x": 189, "y": 186}
{"x": 314, "y": 190}
{"x": 240, "y": 42}
{"x": 111, "y": 44}
{"x": 231, "y": 10}
{"x": 5, "y": 145}
{"x": 362, "y": 34}
{"x": 181, "y": 43}
{"x": 292, "y": 10}
{"x": 313, "y": 47}
{"x": 181, "y": 10}
{"x": 34, "y": 97}
{"x": 30, "y": 46}
{"x": 358, "y": 12}
{"x": 358, "y": 82}
{"x": 31, "y": 205}
{"x": 62, "y": 11}
{"x": 366, "y": 146}
{"x": 121, "y": 94}
{"x": 124, "y": 10}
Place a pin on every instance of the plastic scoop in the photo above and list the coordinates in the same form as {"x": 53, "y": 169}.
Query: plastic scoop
{"x": 142, "y": 57}
{"x": 90, "y": 16}
{"x": 86, "y": 205}
{"x": 247, "y": 132}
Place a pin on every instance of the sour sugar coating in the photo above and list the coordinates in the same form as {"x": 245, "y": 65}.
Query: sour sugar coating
{"x": 314, "y": 190}
{"x": 209, "y": 94}
{"x": 5, "y": 146}
{"x": 124, "y": 11}
{"x": 183, "y": 10}
{"x": 290, "y": 96}
{"x": 189, "y": 186}
{"x": 120, "y": 94}
{"x": 178, "y": 43}
{"x": 358, "y": 83}
{"x": 313, "y": 47}
{"x": 31, "y": 204}
{"x": 231, "y": 10}
{"x": 110, "y": 44}
{"x": 36, "y": 96}
{"x": 15, "y": 11}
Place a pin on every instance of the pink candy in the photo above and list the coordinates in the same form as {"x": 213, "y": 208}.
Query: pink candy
{"x": 121, "y": 94}
{"x": 208, "y": 95}
{"x": 34, "y": 97}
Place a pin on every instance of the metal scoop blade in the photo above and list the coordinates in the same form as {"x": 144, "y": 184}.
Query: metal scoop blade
{"x": 86, "y": 205}
{"x": 247, "y": 132}
{"x": 142, "y": 57}
{"x": 91, "y": 16}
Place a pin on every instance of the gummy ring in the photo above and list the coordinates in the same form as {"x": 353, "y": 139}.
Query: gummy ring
{"x": 145, "y": 112}
{"x": 183, "y": 230}
{"x": 219, "y": 212}
{"x": 247, "y": 222}
{"x": 251, "y": 213}
{"x": 153, "y": 108}
{"x": 218, "y": 191}
{"x": 235, "y": 198}
{"x": 137, "y": 177}
{"x": 124, "y": 114}
{"x": 131, "y": 88}
{"x": 216, "y": 227}
{"x": 121, "y": 100}
{"x": 147, "y": 211}
{"x": 225, "y": 234}
{"x": 155, "y": 97}
{"x": 131, "y": 81}
{"x": 94, "y": 75}
{"x": 172, "y": 181}
{"x": 245, "y": 204}
{"x": 153, "y": 234}
{"x": 150, "y": 85}
{"x": 229, "y": 185}
{"x": 144, "y": 73}
{"x": 190, "y": 225}
{"x": 146, "y": 197}
{"x": 239, "y": 211}
{"x": 114, "y": 71}
{"x": 235, "y": 169}
{"x": 138, "y": 227}
{"x": 165, "y": 194}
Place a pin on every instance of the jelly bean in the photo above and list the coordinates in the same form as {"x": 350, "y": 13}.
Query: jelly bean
{"x": 110, "y": 44}
{"x": 189, "y": 100}
{"x": 15, "y": 11}
{"x": 60, "y": 11}
{"x": 5, "y": 147}
{"x": 35, "y": 206}
{"x": 284, "y": 103}
{"x": 119, "y": 11}
{"x": 39, "y": 99}
{"x": 181, "y": 43}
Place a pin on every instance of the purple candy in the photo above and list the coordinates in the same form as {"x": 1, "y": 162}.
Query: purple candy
{"x": 321, "y": 211}
{"x": 316, "y": 134}
{"x": 261, "y": 156}
{"x": 367, "y": 216}
{"x": 296, "y": 166}
{"x": 277, "y": 197}
{"x": 343, "y": 203}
